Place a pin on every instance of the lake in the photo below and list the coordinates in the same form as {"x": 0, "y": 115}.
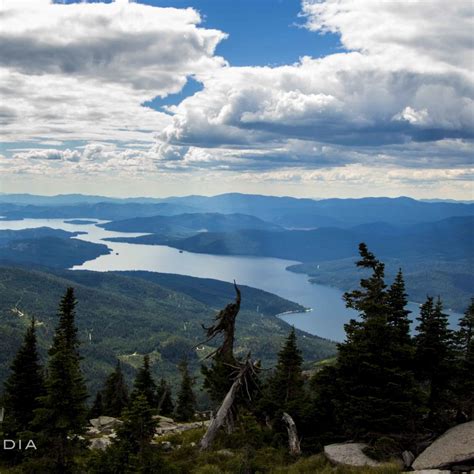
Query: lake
{"x": 328, "y": 313}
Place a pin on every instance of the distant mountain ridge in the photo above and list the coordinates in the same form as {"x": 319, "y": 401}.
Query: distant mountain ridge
{"x": 186, "y": 223}
{"x": 284, "y": 211}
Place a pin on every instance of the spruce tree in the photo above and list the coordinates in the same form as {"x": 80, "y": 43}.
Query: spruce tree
{"x": 186, "y": 403}
{"x": 131, "y": 451}
{"x": 115, "y": 393}
{"x": 377, "y": 391}
{"x": 97, "y": 408}
{"x": 61, "y": 415}
{"x": 144, "y": 383}
{"x": 24, "y": 386}
{"x": 286, "y": 384}
{"x": 434, "y": 360}
{"x": 138, "y": 426}
{"x": 465, "y": 341}
{"x": 165, "y": 400}
{"x": 398, "y": 314}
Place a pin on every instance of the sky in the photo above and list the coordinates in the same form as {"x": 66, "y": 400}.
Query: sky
{"x": 337, "y": 98}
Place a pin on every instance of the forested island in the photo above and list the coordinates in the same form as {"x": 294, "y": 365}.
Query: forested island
{"x": 391, "y": 392}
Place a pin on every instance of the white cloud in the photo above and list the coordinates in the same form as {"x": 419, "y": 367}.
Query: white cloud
{"x": 396, "y": 106}
{"x": 399, "y": 82}
{"x": 82, "y": 71}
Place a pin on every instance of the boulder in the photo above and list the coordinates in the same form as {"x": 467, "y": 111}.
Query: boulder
{"x": 104, "y": 422}
{"x": 456, "y": 446}
{"x": 349, "y": 454}
{"x": 163, "y": 419}
{"x": 100, "y": 443}
{"x": 109, "y": 421}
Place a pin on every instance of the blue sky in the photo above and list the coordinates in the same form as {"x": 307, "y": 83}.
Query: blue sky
{"x": 307, "y": 98}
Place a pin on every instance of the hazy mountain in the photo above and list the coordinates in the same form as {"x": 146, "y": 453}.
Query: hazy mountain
{"x": 185, "y": 223}
{"x": 450, "y": 238}
{"x": 285, "y": 211}
{"x": 45, "y": 246}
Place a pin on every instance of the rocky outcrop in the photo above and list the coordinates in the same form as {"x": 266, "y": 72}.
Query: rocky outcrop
{"x": 102, "y": 431}
{"x": 456, "y": 446}
{"x": 349, "y": 454}
{"x": 166, "y": 427}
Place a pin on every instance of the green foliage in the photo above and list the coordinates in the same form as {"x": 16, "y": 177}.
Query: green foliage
{"x": 434, "y": 360}
{"x": 24, "y": 386}
{"x": 186, "y": 402}
{"x": 286, "y": 383}
{"x": 375, "y": 389}
{"x": 465, "y": 340}
{"x": 165, "y": 400}
{"x": 144, "y": 384}
{"x": 61, "y": 416}
{"x": 163, "y": 308}
{"x": 113, "y": 397}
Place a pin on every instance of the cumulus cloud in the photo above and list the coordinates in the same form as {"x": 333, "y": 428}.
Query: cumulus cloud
{"x": 398, "y": 82}
{"x": 395, "y": 104}
{"x": 82, "y": 71}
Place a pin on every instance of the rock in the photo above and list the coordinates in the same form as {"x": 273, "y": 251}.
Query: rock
{"x": 349, "y": 454}
{"x": 408, "y": 458}
{"x": 93, "y": 431}
{"x": 104, "y": 422}
{"x": 166, "y": 445}
{"x": 163, "y": 419}
{"x": 100, "y": 443}
{"x": 456, "y": 446}
{"x": 109, "y": 421}
{"x": 95, "y": 423}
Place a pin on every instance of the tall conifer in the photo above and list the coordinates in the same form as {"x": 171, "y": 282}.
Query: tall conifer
{"x": 465, "y": 340}
{"x": 115, "y": 393}
{"x": 61, "y": 416}
{"x": 286, "y": 384}
{"x": 145, "y": 384}
{"x": 186, "y": 403}
{"x": 434, "y": 359}
{"x": 378, "y": 393}
{"x": 24, "y": 385}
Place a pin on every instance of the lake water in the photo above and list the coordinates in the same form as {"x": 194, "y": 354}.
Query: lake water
{"x": 328, "y": 313}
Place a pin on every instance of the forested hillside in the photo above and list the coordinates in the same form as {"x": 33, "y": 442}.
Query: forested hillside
{"x": 129, "y": 314}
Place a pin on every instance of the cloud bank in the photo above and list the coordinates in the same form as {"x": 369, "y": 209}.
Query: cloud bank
{"x": 396, "y": 103}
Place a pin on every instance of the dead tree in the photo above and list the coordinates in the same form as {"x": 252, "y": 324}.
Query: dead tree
{"x": 221, "y": 373}
{"x": 224, "y": 324}
{"x": 293, "y": 441}
{"x": 243, "y": 379}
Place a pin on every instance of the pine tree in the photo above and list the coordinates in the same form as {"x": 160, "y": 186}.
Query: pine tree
{"x": 286, "y": 384}
{"x": 97, "y": 408}
{"x": 144, "y": 383}
{"x": 165, "y": 400}
{"x": 377, "y": 391}
{"x": 465, "y": 341}
{"x": 138, "y": 426}
{"x": 434, "y": 359}
{"x": 115, "y": 393}
{"x": 62, "y": 412}
{"x": 186, "y": 403}
{"x": 398, "y": 314}
{"x": 24, "y": 385}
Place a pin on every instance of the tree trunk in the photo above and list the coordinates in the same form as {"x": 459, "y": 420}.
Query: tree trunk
{"x": 221, "y": 415}
{"x": 293, "y": 441}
